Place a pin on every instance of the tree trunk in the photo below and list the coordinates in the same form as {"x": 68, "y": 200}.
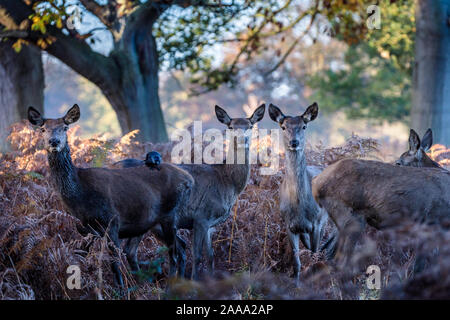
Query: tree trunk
{"x": 431, "y": 82}
{"x": 128, "y": 77}
{"x": 21, "y": 85}
{"x": 135, "y": 97}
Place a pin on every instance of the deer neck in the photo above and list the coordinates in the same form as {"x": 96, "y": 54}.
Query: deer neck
{"x": 64, "y": 175}
{"x": 428, "y": 162}
{"x": 296, "y": 174}
{"x": 237, "y": 171}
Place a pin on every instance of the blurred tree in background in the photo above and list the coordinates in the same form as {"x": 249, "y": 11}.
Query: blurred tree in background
{"x": 178, "y": 34}
{"x": 431, "y": 80}
{"x": 264, "y": 45}
{"x": 21, "y": 85}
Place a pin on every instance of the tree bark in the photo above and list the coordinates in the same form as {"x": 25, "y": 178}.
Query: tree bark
{"x": 128, "y": 77}
{"x": 136, "y": 99}
{"x": 431, "y": 80}
{"x": 21, "y": 85}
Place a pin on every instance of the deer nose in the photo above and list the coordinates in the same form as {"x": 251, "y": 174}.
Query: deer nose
{"x": 398, "y": 163}
{"x": 54, "y": 142}
{"x": 294, "y": 143}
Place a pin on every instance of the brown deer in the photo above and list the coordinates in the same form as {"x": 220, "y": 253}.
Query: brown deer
{"x": 301, "y": 214}
{"x": 123, "y": 203}
{"x": 355, "y": 192}
{"x": 216, "y": 189}
{"x": 416, "y": 156}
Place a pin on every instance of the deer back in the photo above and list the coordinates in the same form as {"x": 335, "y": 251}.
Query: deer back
{"x": 384, "y": 193}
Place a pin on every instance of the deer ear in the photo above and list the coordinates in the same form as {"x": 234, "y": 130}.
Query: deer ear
{"x": 414, "y": 141}
{"x": 35, "y": 117}
{"x": 72, "y": 115}
{"x": 311, "y": 113}
{"x": 258, "y": 114}
{"x": 222, "y": 116}
{"x": 276, "y": 114}
{"x": 427, "y": 140}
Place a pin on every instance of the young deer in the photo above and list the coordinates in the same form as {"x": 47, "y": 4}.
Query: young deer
{"x": 416, "y": 156}
{"x": 354, "y": 192}
{"x": 124, "y": 203}
{"x": 301, "y": 214}
{"x": 215, "y": 191}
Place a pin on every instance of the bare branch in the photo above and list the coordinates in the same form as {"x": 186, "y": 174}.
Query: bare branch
{"x": 293, "y": 45}
{"x": 74, "y": 52}
{"x": 101, "y": 12}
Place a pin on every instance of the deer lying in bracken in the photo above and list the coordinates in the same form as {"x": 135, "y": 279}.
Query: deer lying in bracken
{"x": 301, "y": 214}
{"x": 124, "y": 203}
{"x": 354, "y": 192}
{"x": 416, "y": 156}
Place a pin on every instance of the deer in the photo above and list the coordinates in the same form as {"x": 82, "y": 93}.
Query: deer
{"x": 215, "y": 191}
{"x": 355, "y": 192}
{"x": 302, "y": 216}
{"x": 118, "y": 203}
{"x": 416, "y": 156}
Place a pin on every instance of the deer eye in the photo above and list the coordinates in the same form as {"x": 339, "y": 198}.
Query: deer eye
{"x": 42, "y": 129}
{"x": 304, "y": 127}
{"x": 283, "y": 128}
{"x": 66, "y": 128}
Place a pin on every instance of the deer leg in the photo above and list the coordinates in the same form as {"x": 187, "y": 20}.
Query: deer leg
{"x": 330, "y": 245}
{"x": 166, "y": 234}
{"x": 180, "y": 246}
{"x": 199, "y": 238}
{"x": 114, "y": 245}
{"x": 209, "y": 252}
{"x": 318, "y": 230}
{"x": 169, "y": 234}
{"x": 180, "y": 249}
{"x": 131, "y": 248}
{"x": 350, "y": 234}
{"x": 293, "y": 239}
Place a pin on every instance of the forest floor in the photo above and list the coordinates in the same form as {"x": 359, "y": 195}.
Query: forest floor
{"x": 38, "y": 238}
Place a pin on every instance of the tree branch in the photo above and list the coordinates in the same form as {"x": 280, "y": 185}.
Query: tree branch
{"x": 13, "y": 34}
{"x": 293, "y": 45}
{"x": 107, "y": 14}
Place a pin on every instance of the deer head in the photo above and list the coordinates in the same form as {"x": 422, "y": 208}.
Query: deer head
{"x": 243, "y": 124}
{"x": 416, "y": 155}
{"x": 54, "y": 131}
{"x": 294, "y": 127}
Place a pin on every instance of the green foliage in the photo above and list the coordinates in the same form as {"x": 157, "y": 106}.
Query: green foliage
{"x": 188, "y": 33}
{"x": 35, "y": 175}
{"x": 152, "y": 268}
{"x": 186, "y": 38}
{"x": 100, "y": 154}
{"x": 374, "y": 80}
